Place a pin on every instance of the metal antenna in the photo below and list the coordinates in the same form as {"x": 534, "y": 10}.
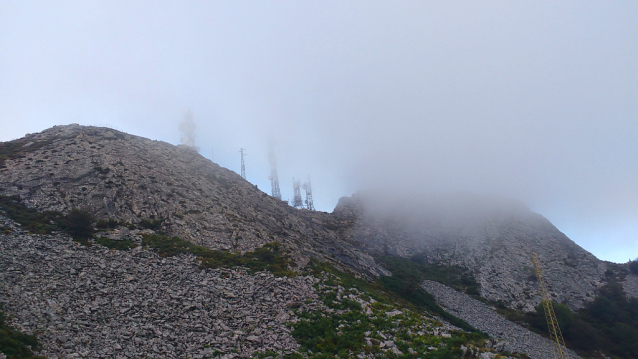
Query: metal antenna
{"x": 308, "y": 188}
{"x": 274, "y": 180}
{"x": 243, "y": 167}
{"x": 296, "y": 200}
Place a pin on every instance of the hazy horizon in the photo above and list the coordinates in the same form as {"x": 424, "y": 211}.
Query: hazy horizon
{"x": 535, "y": 101}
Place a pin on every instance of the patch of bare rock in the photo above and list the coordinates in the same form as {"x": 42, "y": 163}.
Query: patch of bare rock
{"x": 477, "y": 314}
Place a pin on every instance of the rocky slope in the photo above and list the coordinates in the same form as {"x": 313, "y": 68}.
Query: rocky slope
{"x": 128, "y": 178}
{"x": 515, "y": 338}
{"x": 492, "y": 237}
{"x": 94, "y": 303}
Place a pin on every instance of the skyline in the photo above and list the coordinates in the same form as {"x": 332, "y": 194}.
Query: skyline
{"x": 534, "y": 101}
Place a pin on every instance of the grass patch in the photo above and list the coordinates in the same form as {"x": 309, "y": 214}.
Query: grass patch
{"x": 122, "y": 245}
{"x": 271, "y": 256}
{"x": 359, "y": 316}
{"x": 30, "y": 218}
{"x": 77, "y": 223}
{"x": 407, "y": 276}
{"x": 417, "y": 268}
{"x": 15, "y": 344}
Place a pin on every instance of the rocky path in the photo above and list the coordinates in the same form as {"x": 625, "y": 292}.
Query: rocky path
{"x": 482, "y": 317}
{"x": 95, "y": 303}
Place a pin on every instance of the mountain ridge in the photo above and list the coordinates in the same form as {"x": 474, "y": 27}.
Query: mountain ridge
{"x": 130, "y": 178}
{"x": 493, "y": 237}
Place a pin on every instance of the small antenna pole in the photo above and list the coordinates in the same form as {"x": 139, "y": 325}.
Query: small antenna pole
{"x": 243, "y": 167}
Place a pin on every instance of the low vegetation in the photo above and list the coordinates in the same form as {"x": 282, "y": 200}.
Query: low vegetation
{"x": 77, "y": 223}
{"x": 271, "y": 256}
{"x": 15, "y": 344}
{"x": 15, "y": 149}
{"x": 122, "y": 245}
{"x": 633, "y": 266}
{"x": 408, "y": 274}
{"x": 30, "y": 219}
{"x": 359, "y": 317}
{"x": 608, "y": 323}
{"x": 104, "y": 224}
{"x": 153, "y": 224}
{"x": 417, "y": 267}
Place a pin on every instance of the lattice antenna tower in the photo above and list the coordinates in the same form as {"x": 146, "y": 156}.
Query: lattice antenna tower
{"x": 308, "y": 188}
{"x": 297, "y": 202}
{"x": 243, "y": 167}
{"x": 274, "y": 180}
{"x": 555, "y": 335}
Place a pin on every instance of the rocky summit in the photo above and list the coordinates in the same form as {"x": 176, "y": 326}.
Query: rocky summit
{"x": 182, "y": 258}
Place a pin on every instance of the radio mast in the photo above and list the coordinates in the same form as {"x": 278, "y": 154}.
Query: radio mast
{"x": 274, "y": 180}
{"x": 243, "y": 167}
{"x": 306, "y": 186}
{"x": 297, "y": 202}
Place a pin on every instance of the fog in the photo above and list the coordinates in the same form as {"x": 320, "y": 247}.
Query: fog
{"x": 531, "y": 100}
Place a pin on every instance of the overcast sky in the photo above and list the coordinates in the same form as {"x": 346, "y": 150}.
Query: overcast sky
{"x": 534, "y": 100}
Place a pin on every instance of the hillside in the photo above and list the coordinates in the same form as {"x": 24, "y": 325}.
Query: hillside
{"x": 491, "y": 237}
{"x": 171, "y": 255}
{"x": 118, "y": 176}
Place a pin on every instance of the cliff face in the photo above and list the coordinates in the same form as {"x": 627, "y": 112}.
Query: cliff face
{"x": 492, "y": 237}
{"x": 129, "y": 178}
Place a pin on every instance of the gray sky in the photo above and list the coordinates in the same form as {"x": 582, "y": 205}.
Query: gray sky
{"x": 533, "y": 100}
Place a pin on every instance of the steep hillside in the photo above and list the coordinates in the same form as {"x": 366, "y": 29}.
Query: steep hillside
{"x": 184, "y": 262}
{"x": 118, "y": 176}
{"x": 491, "y": 237}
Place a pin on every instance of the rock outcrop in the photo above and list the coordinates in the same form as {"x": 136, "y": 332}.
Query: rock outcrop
{"x": 491, "y": 237}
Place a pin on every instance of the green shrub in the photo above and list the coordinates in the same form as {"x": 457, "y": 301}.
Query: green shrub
{"x": 633, "y": 266}
{"x": 79, "y": 224}
{"x": 107, "y": 224}
{"x": 151, "y": 224}
{"x": 15, "y": 344}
